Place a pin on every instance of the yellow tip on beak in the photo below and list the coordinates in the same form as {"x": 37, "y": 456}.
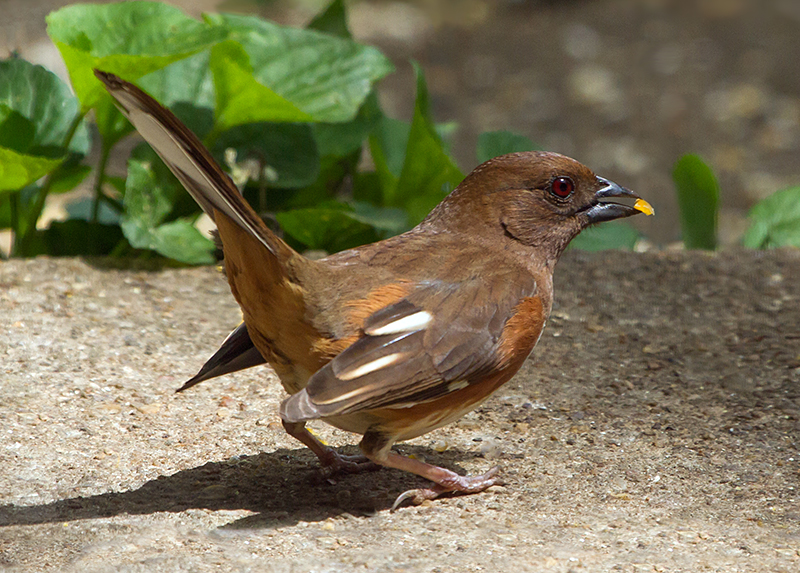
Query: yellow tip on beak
{"x": 644, "y": 207}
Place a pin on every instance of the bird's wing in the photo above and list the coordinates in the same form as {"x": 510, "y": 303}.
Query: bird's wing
{"x": 440, "y": 338}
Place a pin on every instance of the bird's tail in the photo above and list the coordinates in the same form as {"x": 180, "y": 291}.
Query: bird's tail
{"x": 236, "y": 353}
{"x": 190, "y": 161}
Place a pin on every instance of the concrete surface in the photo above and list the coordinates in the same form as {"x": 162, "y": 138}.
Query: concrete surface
{"x": 656, "y": 430}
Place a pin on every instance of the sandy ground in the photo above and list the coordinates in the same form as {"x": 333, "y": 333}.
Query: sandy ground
{"x": 656, "y": 430}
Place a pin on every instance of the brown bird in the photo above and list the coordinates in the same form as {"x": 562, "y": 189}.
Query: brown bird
{"x": 397, "y": 338}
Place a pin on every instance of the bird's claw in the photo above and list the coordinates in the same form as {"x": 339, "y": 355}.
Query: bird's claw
{"x": 461, "y": 484}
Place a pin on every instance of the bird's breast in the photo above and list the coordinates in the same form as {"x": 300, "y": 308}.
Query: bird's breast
{"x": 522, "y": 331}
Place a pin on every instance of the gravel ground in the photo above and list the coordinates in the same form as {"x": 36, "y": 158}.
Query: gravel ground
{"x": 656, "y": 430}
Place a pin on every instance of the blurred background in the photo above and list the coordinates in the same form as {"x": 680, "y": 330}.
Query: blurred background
{"x": 625, "y": 86}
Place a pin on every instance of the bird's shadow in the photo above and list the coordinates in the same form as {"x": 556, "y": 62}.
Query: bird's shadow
{"x": 280, "y": 487}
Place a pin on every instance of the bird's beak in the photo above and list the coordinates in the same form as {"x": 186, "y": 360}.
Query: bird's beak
{"x": 601, "y": 210}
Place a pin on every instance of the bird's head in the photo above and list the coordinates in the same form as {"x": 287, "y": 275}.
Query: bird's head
{"x": 536, "y": 198}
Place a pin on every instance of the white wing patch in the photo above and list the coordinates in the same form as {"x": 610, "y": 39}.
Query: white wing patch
{"x": 417, "y": 321}
{"x": 364, "y": 369}
{"x": 457, "y": 385}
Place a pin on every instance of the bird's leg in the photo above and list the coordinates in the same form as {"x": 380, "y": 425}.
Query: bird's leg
{"x": 377, "y": 448}
{"x": 445, "y": 480}
{"x": 332, "y": 461}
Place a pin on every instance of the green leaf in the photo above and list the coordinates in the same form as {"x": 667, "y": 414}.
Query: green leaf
{"x": 240, "y": 97}
{"x": 333, "y": 20}
{"x": 325, "y": 77}
{"x": 608, "y": 236}
{"x": 367, "y": 187}
{"x": 388, "y": 220}
{"x": 330, "y": 230}
{"x": 333, "y": 226}
{"x": 181, "y": 241}
{"x": 69, "y": 177}
{"x": 130, "y": 39}
{"x": 698, "y": 201}
{"x": 428, "y": 173}
{"x": 287, "y": 149}
{"x": 342, "y": 139}
{"x": 148, "y": 201}
{"x": 16, "y": 130}
{"x": 186, "y": 81}
{"x": 387, "y": 144}
{"x": 185, "y": 86}
{"x": 775, "y": 221}
{"x": 18, "y": 170}
{"x": 494, "y": 143}
{"x": 391, "y": 139}
{"x": 111, "y": 124}
{"x": 47, "y": 106}
{"x": 182, "y": 203}
{"x": 333, "y": 174}
{"x": 83, "y": 209}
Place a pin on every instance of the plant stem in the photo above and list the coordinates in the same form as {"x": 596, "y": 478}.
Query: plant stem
{"x": 21, "y": 243}
{"x": 105, "y": 152}
{"x": 13, "y": 200}
{"x": 262, "y": 187}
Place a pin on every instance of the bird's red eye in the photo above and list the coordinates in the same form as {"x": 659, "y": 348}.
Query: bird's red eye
{"x": 562, "y": 187}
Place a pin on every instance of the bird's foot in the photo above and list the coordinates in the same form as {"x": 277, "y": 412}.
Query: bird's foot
{"x": 334, "y": 463}
{"x": 451, "y": 484}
